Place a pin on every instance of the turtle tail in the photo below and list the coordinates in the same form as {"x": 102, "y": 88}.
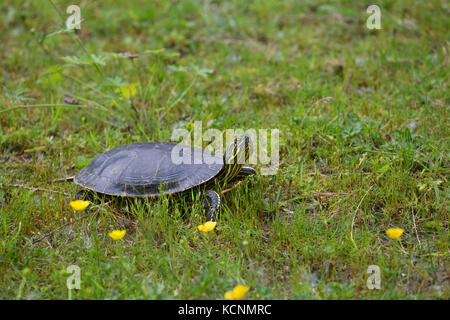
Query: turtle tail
{"x": 67, "y": 179}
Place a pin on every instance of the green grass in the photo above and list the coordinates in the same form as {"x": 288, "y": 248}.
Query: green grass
{"x": 337, "y": 91}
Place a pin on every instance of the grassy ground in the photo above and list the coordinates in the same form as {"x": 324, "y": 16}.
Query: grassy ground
{"x": 363, "y": 126}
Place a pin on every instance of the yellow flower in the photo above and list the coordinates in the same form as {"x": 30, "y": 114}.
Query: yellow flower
{"x": 207, "y": 226}
{"x": 421, "y": 186}
{"x": 127, "y": 91}
{"x": 79, "y": 205}
{"x": 238, "y": 292}
{"x": 394, "y": 233}
{"x": 117, "y": 234}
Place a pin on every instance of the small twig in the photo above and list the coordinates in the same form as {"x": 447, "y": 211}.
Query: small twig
{"x": 226, "y": 190}
{"x": 415, "y": 228}
{"x": 18, "y": 185}
{"x": 354, "y": 215}
{"x": 330, "y": 194}
{"x": 72, "y": 222}
{"x": 28, "y": 106}
{"x": 63, "y": 226}
{"x": 385, "y": 125}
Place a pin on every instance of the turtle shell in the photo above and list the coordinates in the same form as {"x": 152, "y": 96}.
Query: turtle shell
{"x": 147, "y": 169}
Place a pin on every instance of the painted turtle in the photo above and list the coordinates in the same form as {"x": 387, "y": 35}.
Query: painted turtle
{"x": 148, "y": 170}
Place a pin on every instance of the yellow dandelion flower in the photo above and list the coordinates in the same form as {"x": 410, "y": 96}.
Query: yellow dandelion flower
{"x": 79, "y": 205}
{"x": 238, "y": 292}
{"x": 207, "y": 226}
{"x": 127, "y": 91}
{"x": 117, "y": 234}
{"x": 394, "y": 233}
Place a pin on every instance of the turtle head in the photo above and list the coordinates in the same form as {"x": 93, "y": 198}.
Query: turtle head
{"x": 237, "y": 153}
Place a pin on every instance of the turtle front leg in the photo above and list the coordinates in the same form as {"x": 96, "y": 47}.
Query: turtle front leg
{"x": 214, "y": 204}
{"x": 246, "y": 171}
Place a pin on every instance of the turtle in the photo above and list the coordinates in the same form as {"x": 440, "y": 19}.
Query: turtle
{"x": 151, "y": 169}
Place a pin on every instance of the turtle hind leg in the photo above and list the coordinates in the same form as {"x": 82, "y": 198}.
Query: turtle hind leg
{"x": 214, "y": 205}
